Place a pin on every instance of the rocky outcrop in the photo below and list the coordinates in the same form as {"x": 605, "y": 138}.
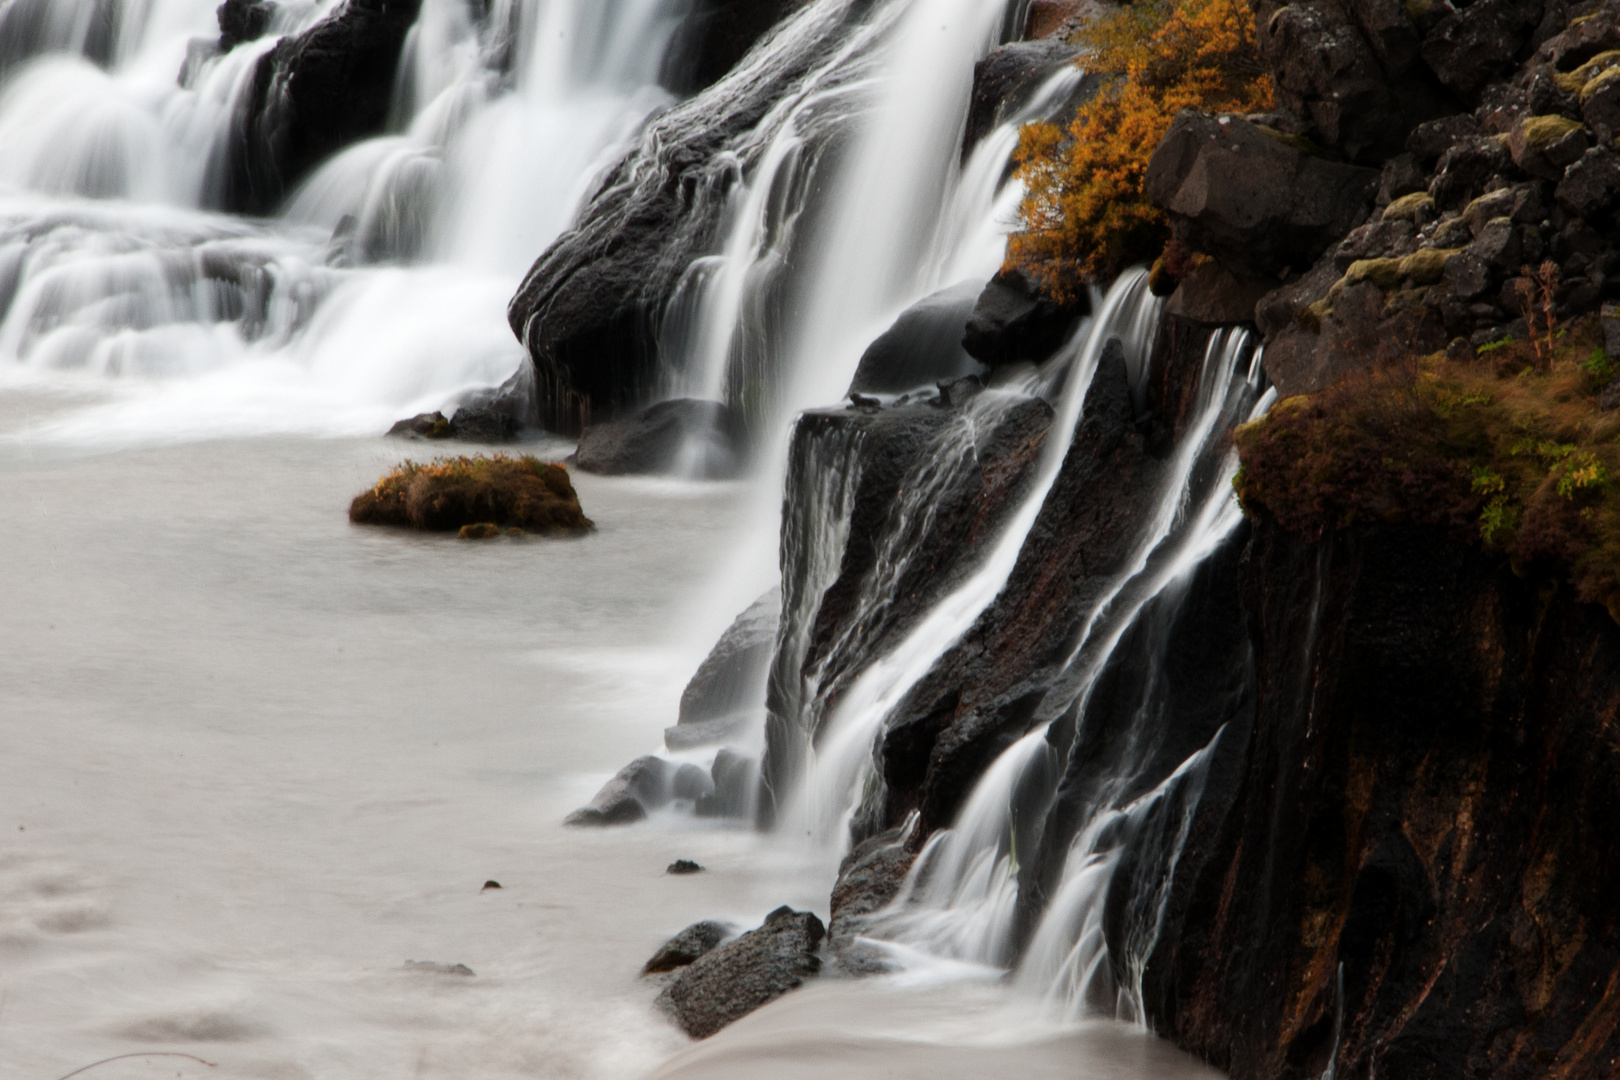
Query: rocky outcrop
{"x": 1402, "y": 868}
{"x": 869, "y": 879}
{"x": 646, "y": 784}
{"x": 1491, "y": 124}
{"x": 1006, "y": 79}
{"x": 737, "y": 978}
{"x": 311, "y": 95}
{"x": 701, "y": 439}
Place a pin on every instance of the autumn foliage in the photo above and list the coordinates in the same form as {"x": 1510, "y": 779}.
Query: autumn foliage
{"x": 1085, "y": 217}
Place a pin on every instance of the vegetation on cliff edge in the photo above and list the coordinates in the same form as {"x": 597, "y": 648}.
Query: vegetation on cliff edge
{"x": 1511, "y": 448}
{"x": 476, "y": 495}
{"x": 1084, "y": 216}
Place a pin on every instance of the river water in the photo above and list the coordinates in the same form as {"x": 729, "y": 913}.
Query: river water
{"x": 257, "y": 759}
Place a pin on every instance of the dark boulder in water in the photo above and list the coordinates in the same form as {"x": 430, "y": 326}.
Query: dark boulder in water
{"x": 695, "y": 941}
{"x": 683, "y": 866}
{"x": 640, "y": 786}
{"x": 740, "y": 976}
{"x": 471, "y": 423}
{"x": 923, "y": 347}
{"x": 702, "y": 439}
{"x": 243, "y": 20}
{"x": 1006, "y": 79}
{"x": 312, "y": 95}
{"x": 736, "y": 778}
{"x": 1013, "y": 321}
{"x": 869, "y": 879}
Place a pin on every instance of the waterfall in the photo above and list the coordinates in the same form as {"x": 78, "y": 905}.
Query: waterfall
{"x": 828, "y": 793}
{"x": 379, "y": 288}
{"x": 961, "y": 895}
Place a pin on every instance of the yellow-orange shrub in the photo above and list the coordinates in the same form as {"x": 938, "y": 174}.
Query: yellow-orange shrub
{"x": 1084, "y": 216}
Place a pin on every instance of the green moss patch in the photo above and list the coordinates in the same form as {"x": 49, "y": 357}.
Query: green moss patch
{"x": 483, "y": 493}
{"x": 1510, "y": 449}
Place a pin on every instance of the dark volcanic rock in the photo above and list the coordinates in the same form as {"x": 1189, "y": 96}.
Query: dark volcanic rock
{"x": 1013, "y": 321}
{"x": 696, "y": 438}
{"x": 1420, "y": 829}
{"x": 243, "y": 20}
{"x": 923, "y": 347}
{"x": 471, "y": 423}
{"x": 1252, "y": 199}
{"x": 737, "y": 978}
{"x": 695, "y": 941}
{"x": 869, "y": 878}
{"x": 715, "y": 36}
{"x": 642, "y": 785}
{"x": 312, "y": 95}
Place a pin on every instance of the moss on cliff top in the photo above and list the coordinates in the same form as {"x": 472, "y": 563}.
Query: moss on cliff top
{"x": 452, "y": 492}
{"x": 1510, "y": 449}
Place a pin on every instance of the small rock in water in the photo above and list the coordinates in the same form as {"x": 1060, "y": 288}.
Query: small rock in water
{"x": 740, "y": 976}
{"x": 683, "y": 866}
{"x": 695, "y": 941}
{"x": 482, "y": 530}
{"x": 490, "y": 884}
{"x": 428, "y": 967}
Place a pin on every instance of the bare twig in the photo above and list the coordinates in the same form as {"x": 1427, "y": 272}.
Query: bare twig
{"x": 121, "y": 1057}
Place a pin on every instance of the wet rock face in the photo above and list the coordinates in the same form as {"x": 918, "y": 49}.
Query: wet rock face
{"x": 869, "y": 879}
{"x": 1426, "y": 802}
{"x": 312, "y": 95}
{"x": 695, "y": 941}
{"x": 1007, "y": 78}
{"x": 718, "y": 35}
{"x": 737, "y": 978}
{"x": 1014, "y": 321}
{"x": 697, "y": 438}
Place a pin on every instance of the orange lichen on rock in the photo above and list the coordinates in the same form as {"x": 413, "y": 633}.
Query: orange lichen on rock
{"x": 486, "y": 492}
{"x": 1085, "y": 216}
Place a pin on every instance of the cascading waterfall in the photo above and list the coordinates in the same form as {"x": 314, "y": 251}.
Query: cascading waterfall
{"x": 961, "y": 895}
{"x": 828, "y": 792}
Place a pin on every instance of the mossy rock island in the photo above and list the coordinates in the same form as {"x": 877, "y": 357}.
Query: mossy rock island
{"x": 477, "y": 497}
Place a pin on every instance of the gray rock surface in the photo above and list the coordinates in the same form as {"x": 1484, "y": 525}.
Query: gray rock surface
{"x": 695, "y": 941}
{"x": 740, "y": 976}
{"x": 642, "y": 785}
{"x": 923, "y": 347}
{"x": 702, "y": 438}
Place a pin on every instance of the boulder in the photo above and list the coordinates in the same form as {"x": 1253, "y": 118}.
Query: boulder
{"x": 1591, "y": 184}
{"x": 311, "y": 95}
{"x": 696, "y": 438}
{"x": 642, "y": 785}
{"x": 1600, "y": 108}
{"x": 923, "y": 347}
{"x": 716, "y": 35}
{"x": 1014, "y": 321}
{"x": 1545, "y": 145}
{"x": 731, "y": 680}
{"x": 470, "y": 423}
{"x": 1465, "y": 168}
{"x": 242, "y": 20}
{"x": 1007, "y": 78}
{"x": 1254, "y": 200}
{"x": 695, "y": 941}
{"x": 1474, "y": 44}
{"x": 736, "y": 779}
{"x": 1432, "y": 138}
{"x": 735, "y": 979}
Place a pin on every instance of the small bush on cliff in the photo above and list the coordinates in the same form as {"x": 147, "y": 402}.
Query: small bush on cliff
{"x": 1085, "y": 217}
{"x": 480, "y": 491}
{"x": 1510, "y": 448}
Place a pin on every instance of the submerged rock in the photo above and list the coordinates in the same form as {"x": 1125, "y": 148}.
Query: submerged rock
{"x": 737, "y": 978}
{"x": 695, "y": 941}
{"x": 695, "y": 438}
{"x": 427, "y": 967}
{"x": 683, "y": 866}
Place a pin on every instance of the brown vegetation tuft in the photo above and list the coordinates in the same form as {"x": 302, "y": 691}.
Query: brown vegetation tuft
{"x": 1511, "y": 448}
{"x": 1085, "y": 216}
{"x": 484, "y": 492}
